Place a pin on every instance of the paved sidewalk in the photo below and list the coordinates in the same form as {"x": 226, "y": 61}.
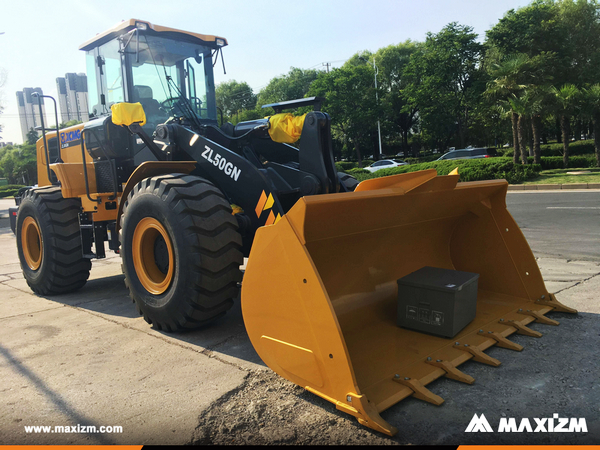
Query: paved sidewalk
{"x": 87, "y": 358}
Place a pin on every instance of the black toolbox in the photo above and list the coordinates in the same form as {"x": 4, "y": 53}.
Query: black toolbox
{"x": 437, "y": 301}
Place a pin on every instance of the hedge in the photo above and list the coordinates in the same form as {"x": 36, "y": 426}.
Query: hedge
{"x": 9, "y": 190}
{"x": 556, "y": 149}
{"x": 8, "y": 193}
{"x": 469, "y": 170}
{"x": 556, "y": 162}
{"x": 11, "y": 187}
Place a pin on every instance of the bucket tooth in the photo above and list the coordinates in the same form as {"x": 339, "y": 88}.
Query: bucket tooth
{"x": 501, "y": 341}
{"x": 367, "y": 414}
{"x": 521, "y": 329}
{"x": 452, "y": 372}
{"x": 555, "y": 304}
{"x": 419, "y": 391}
{"x": 538, "y": 317}
{"x": 478, "y": 355}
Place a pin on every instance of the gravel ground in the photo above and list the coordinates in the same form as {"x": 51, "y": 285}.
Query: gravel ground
{"x": 557, "y": 373}
{"x": 268, "y": 409}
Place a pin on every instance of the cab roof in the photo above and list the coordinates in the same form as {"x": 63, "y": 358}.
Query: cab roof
{"x": 156, "y": 30}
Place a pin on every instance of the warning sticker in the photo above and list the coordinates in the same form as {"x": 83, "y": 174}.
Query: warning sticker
{"x": 437, "y": 318}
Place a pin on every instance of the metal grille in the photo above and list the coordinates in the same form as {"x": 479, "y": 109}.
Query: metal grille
{"x": 104, "y": 176}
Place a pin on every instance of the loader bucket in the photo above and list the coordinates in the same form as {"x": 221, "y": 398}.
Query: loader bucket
{"x": 319, "y": 294}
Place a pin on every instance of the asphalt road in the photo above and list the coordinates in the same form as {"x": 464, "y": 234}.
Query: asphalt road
{"x": 564, "y": 224}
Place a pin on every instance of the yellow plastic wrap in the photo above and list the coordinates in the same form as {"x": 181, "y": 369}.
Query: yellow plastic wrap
{"x": 128, "y": 113}
{"x": 286, "y": 128}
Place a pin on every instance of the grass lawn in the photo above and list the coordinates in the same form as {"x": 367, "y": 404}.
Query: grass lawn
{"x": 560, "y": 176}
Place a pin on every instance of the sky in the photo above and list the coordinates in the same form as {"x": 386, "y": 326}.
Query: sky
{"x": 266, "y": 38}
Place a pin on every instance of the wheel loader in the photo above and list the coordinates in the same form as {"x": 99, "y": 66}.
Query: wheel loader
{"x": 183, "y": 198}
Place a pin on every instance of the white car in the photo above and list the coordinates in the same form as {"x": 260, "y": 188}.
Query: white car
{"x": 385, "y": 164}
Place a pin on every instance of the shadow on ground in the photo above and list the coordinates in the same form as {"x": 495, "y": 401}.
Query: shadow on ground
{"x": 109, "y": 298}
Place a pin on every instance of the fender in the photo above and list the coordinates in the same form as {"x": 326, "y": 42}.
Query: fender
{"x": 151, "y": 169}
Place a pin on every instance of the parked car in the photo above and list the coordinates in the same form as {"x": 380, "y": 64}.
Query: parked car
{"x": 469, "y": 153}
{"x": 385, "y": 164}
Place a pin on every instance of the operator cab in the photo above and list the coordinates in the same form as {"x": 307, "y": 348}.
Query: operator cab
{"x": 168, "y": 71}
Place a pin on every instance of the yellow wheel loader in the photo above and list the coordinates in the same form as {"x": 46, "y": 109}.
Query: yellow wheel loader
{"x": 324, "y": 297}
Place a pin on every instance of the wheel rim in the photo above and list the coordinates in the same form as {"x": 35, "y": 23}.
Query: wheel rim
{"x": 153, "y": 255}
{"x": 31, "y": 242}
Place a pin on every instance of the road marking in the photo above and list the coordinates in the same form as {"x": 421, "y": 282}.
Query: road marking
{"x": 572, "y": 207}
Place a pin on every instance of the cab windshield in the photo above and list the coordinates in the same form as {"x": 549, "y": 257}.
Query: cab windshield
{"x": 168, "y": 77}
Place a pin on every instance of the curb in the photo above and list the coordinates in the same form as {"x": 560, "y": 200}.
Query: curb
{"x": 549, "y": 187}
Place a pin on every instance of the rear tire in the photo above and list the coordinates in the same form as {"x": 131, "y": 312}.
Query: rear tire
{"x": 181, "y": 251}
{"x": 49, "y": 242}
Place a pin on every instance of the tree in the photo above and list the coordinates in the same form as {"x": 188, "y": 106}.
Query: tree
{"x": 2, "y": 83}
{"x": 350, "y": 100}
{"x": 18, "y": 164}
{"x": 532, "y": 30}
{"x": 565, "y": 102}
{"x": 294, "y": 85}
{"x": 539, "y": 99}
{"x": 69, "y": 123}
{"x": 520, "y": 108}
{"x": 392, "y": 62}
{"x": 566, "y": 33}
{"x": 233, "y": 96}
{"x": 32, "y": 136}
{"x": 7, "y": 165}
{"x": 591, "y": 108}
{"x": 445, "y": 82}
{"x": 508, "y": 80}
{"x": 580, "y": 41}
{"x": 528, "y": 107}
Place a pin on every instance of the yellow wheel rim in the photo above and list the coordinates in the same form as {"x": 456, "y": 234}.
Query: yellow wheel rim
{"x": 152, "y": 252}
{"x": 31, "y": 242}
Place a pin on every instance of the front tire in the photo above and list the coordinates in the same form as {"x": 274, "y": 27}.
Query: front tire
{"x": 49, "y": 242}
{"x": 181, "y": 251}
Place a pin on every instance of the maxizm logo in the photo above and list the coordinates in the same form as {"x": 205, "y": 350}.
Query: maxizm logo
{"x": 554, "y": 424}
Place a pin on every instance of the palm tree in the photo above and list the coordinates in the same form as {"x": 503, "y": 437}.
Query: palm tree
{"x": 566, "y": 99}
{"x": 521, "y": 107}
{"x": 591, "y": 108}
{"x": 538, "y": 99}
{"x": 508, "y": 78}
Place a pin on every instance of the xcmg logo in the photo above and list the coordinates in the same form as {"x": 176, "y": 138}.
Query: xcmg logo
{"x": 554, "y": 424}
{"x": 66, "y": 138}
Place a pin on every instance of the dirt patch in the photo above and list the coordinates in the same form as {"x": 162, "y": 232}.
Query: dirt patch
{"x": 267, "y": 410}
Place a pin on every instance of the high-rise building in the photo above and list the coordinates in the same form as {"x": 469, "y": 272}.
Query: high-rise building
{"x": 73, "y": 97}
{"x": 29, "y": 110}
